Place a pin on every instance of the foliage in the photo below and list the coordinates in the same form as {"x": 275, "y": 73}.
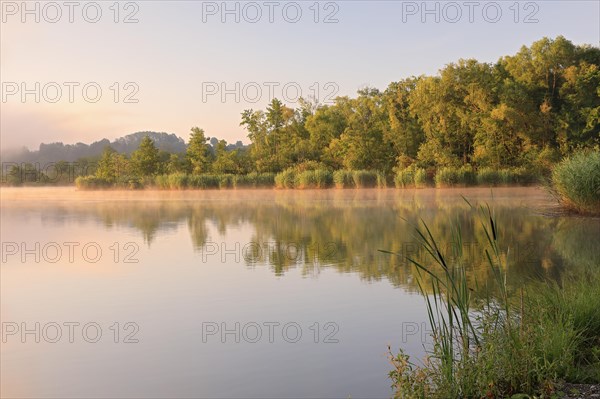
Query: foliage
{"x": 198, "y": 154}
{"x": 524, "y": 112}
{"x": 145, "y": 160}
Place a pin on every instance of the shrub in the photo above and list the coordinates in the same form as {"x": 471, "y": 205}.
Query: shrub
{"x": 525, "y": 175}
{"x": 382, "y": 180}
{"x": 203, "y": 181}
{"x": 411, "y": 177}
{"x": 292, "y": 178}
{"x": 446, "y": 177}
{"x": 134, "y": 183}
{"x": 364, "y": 178}
{"x": 545, "y": 160}
{"x": 507, "y": 176}
{"x": 405, "y": 178}
{"x": 306, "y": 179}
{"x": 343, "y": 179}
{"x": 521, "y": 176}
{"x": 161, "y": 182}
{"x": 263, "y": 180}
{"x": 421, "y": 178}
{"x": 243, "y": 181}
{"x": 323, "y": 178}
{"x": 225, "y": 180}
{"x": 254, "y": 180}
{"x": 286, "y": 179}
{"x": 92, "y": 183}
{"x": 451, "y": 176}
{"x": 488, "y": 177}
{"x": 576, "y": 181}
{"x": 178, "y": 181}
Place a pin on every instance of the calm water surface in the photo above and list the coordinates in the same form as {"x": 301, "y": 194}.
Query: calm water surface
{"x": 299, "y": 272}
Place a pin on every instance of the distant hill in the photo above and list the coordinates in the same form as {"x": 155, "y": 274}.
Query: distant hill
{"x": 164, "y": 141}
{"x": 54, "y": 152}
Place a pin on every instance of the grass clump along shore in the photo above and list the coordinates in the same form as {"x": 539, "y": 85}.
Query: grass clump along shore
{"x": 508, "y": 344}
{"x": 576, "y": 181}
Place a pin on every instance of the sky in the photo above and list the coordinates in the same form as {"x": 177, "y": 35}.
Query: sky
{"x": 83, "y": 71}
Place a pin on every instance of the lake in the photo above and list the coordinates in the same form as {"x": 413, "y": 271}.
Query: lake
{"x": 243, "y": 293}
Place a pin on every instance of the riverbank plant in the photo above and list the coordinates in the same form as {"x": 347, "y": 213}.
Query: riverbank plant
{"x": 286, "y": 179}
{"x": 364, "y": 178}
{"x": 411, "y": 177}
{"x": 343, "y": 179}
{"x": 183, "y": 181}
{"x": 321, "y": 178}
{"x": 254, "y": 180}
{"x": 455, "y": 177}
{"x": 512, "y": 343}
{"x": 576, "y": 182}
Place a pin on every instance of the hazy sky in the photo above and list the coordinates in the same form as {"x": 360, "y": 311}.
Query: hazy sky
{"x": 178, "y": 57}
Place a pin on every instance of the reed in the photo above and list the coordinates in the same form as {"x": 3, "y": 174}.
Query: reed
{"x": 523, "y": 342}
{"x": 576, "y": 180}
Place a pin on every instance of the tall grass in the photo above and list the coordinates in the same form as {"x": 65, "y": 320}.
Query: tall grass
{"x": 343, "y": 179}
{"x": 359, "y": 179}
{"x": 183, "y": 181}
{"x": 92, "y": 183}
{"x": 411, "y": 177}
{"x": 455, "y": 177}
{"x": 286, "y": 179}
{"x": 254, "y": 180}
{"x": 203, "y": 181}
{"x": 504, "y": 177}
{"x": 405, "y": 178}
{"x": 364, "y": 178}
{"x": 421, "y": 179}
{"x": 99, "y": 183}
{"x": 509, "y": 343}
{"x": 319, "y": 178}
{"x": 576, "y": 180}
{"x": 177, "y": 181}
{"x": 488, "y": 177}
{"x": 382, "y": 179}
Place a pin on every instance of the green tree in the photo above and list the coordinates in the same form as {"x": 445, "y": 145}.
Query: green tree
{"x": 279, "y": 136}
{"x": 364, "y": 144}
{"x": 145, "y": 160}
{"x": 225, "y": 161}
{"x": 326, "y": 124}
{"x": 198, "y": 152}
{"x": 451, "y": 109}
{"x": 403, "y": 130}
{"x": 107, "y": 168}
{"x": 174, "y": 164}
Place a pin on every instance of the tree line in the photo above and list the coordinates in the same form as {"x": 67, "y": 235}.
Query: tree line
{"x": 527, "y": 110}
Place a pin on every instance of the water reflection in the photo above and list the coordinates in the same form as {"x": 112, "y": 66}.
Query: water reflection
{"x": 338, "y": 229}
{"x": 247, "y": 257}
